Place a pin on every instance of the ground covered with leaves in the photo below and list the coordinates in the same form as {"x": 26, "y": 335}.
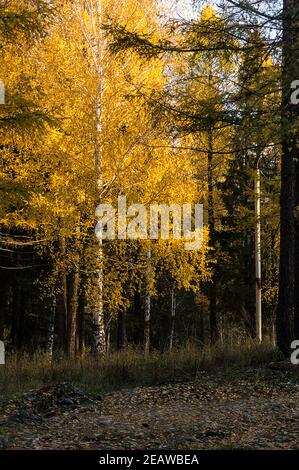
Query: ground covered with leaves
{"x": 251, "y": 409}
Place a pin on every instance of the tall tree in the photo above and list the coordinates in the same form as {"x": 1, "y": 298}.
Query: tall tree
{"x": 289, "y": 172}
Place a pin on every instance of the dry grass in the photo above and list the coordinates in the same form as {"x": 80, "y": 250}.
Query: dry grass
{"x": 129, "y": 368}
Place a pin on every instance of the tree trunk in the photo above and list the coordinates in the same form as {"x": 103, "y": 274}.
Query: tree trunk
{"x": 16, "y": 333}
{"x": 5, "y": 294}
{"x": 258, "y": 258}
{"x": 97, "y": 311}
{"x": 80, "y": 321}
{"x": 72, "y": 298}
{"x": 147, "y": 312}
{"x": 108, "y": 337}
{"x": 295, "y": 151}
{"x": 121, "y": 331}
{"x": 201, "y": 327}
{"x": 173, "y": 313}
{"x": 60, "y": 327}
{"x": 73, "y": 288}
{"x": 214, "y": 329}
{"x": 289, "y": 114}
{"x": 296, "y": 268}
{"x": 51, "y": 328}
{"x": 99, "y": 340}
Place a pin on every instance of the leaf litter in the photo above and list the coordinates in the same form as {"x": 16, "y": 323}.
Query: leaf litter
{"x": 254, "y": 409}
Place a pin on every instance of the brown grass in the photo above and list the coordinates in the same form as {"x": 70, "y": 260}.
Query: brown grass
{"x": 129, "y": 368}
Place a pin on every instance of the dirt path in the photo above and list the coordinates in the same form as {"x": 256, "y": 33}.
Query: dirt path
{"x": 212, "y": 413}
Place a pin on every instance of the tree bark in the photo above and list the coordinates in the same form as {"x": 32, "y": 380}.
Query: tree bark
{"x": 214, "y": 327}
{"x": 295, "y": 151}
{"x": 258, "y": 257}
{"x": 72, "y": 298}
{"x": 5, "y": 294}
{"x": 147, "y": 311}
{"x": 122, "y": 331}
{"x": 16, "y": 331}
{"x": 51, "y": 328}
{"x": 80, "y": 320}
{"x": 108, "y": 337}
{"x": 73, "y": 288}
{"x": 173, "y": 313}
{"x": 97, "y": 310}
{"x": 289, "y": 114}
{"x": 60, "y": 327}
{"x": 99, "y": 339}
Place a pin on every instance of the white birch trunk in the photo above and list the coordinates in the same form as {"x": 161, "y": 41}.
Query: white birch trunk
{"x": 98, "y": 313}
{"x": 95, "y": 42}
{"x": 50, "y": 336}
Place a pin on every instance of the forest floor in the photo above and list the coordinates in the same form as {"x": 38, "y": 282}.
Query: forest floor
{"x": 256, "y": 408}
